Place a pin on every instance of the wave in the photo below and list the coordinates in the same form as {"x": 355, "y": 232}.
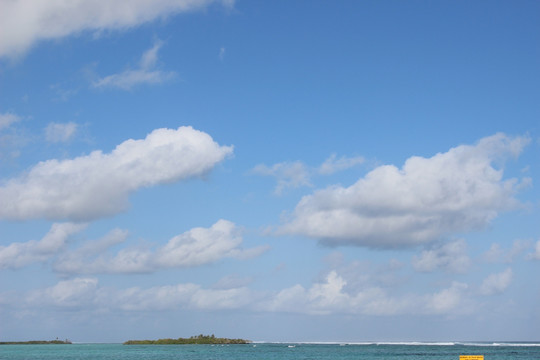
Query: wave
{"x": 410, "y": 343}
{"x": 519, "y": 344}
{"x": 452, "y": 343}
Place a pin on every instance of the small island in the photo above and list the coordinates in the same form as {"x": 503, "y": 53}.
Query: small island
{"x": 36, "y": 342}
{"x": 199, "y": 339}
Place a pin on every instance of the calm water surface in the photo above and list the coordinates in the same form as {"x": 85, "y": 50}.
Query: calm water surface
{"x": 268, "y": 352}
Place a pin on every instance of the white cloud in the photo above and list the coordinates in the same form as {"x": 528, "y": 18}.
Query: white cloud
{"x": 7, "y": 119}
{"x": 496, "y": 283}
{"x": 144, "y": 74}
{"x": 451, "y": 256}
{"x": 426, "y": 199}
{"x": 60, "y": 132}
{"x": 98, "y": 184}
{"x": 199, "y": 246}
{"x": 195, "y": 247}
{"x": 25, "y": 22}
{"x": 288, "y": 175}
{"x": 332, "y": 164}
{"x": 18, "y": 254}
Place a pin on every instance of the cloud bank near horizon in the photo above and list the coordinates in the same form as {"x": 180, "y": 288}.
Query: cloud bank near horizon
{"x": 321, "y": 298}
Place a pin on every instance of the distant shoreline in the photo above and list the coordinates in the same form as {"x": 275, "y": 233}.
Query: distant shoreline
{"x": 37, "y": 342}
{"x": 200, "y": 339}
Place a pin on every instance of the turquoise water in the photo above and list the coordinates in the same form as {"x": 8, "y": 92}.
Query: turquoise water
{"x": 269, "y": 352}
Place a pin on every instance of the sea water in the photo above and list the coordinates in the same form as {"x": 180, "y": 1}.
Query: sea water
{"x": 266, "y": 351}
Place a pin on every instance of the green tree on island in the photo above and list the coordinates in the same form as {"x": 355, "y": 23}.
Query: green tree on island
{"x": 199, "y": 339}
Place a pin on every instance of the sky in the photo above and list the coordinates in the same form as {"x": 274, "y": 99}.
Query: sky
{"x": 270, "y": 170}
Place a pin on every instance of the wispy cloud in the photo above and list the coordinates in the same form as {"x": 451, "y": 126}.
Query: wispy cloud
{"x": 222, "y": 53}
{"x": 334, "y": 164}
{"x": 145, "y": 73}
{"x": 288, "y": 175}
{"x": 61, "y": 93}
{"x": 11, "y": 136}
{"x": 498, "y": 254}
{"x": 295, "y": 174}
{"x": 60, "y": 132}
{"x": 536, "y": 254}
{"x": 7, "y": 119}
{"x": 25, "y": 22}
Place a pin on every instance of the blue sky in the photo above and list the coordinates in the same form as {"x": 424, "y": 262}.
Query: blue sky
{"x": 272, "y": 170}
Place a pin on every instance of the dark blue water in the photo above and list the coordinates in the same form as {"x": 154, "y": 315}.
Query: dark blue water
{"x": 269, "y": 352}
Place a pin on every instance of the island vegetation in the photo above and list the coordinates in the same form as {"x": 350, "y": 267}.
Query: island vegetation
{"x": 36, "y": 342}
{"x": 199, "y": 339}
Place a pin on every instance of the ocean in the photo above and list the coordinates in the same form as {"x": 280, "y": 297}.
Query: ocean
{"x": 273, "y": 351}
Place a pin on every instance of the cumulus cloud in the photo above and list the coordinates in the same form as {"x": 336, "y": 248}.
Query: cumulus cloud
{"x": 99, "y": 184}
{"x": 451, "y": 257}
{"x": 25, "y": 22}
{"x": 7, "y": 119}
{"x": 427, "y": 198}
{"x": 60, "y": 132}
{"x": 195, "y": 247}
{"x": 17, "y": 255}
{"x": 144, "y": 74}
{"x": 496, "y": 283}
